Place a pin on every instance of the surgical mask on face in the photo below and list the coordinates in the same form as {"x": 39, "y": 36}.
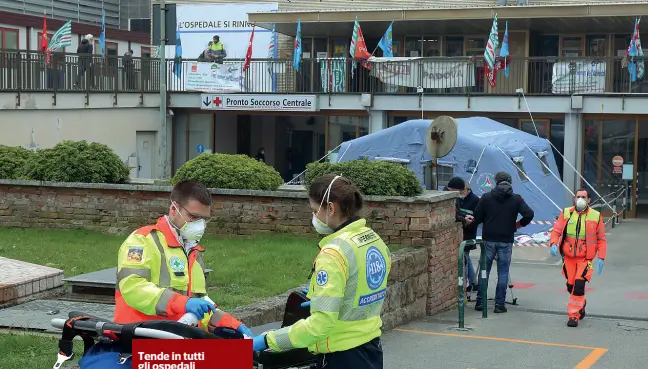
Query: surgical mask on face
{"x": 191, "y": 231}
{"x": 581, "y": 204}
{"x": 321, "y": 227}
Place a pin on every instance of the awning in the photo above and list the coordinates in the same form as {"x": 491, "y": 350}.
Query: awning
{"x": 593, "y": 18}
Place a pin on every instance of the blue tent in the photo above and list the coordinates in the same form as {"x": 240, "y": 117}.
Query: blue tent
{"x": 495, "y": 146}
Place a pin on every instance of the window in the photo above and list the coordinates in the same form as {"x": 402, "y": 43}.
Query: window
{"x": 518, "y": 161}
{"x": 146, "y": 52}
{"x": 8, "y": 39}
{"x": 542, "y": 155}
{"x": 444, "y": 174}
{"x": 112, "y": 48}
{"x": 49, "y": 38}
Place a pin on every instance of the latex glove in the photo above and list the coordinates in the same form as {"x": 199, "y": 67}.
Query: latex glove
{"x": 553, "y": 250}
{"x": 305, "y": 304}
{"x": 305, "y": 292}
{"x": 245, "y": 330}
{"x": 259, "y": 343}
{"x": 199, "y": 307}
{"x": 599, "y": 266}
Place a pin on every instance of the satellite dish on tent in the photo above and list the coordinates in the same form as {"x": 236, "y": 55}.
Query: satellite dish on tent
{"x": 441, "y": 138}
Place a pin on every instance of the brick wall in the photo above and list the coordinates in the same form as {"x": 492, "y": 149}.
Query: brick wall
{"x": 426, "y": 221}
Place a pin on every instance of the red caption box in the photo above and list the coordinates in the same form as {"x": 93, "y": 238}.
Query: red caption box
{"x": 192, "y": 354}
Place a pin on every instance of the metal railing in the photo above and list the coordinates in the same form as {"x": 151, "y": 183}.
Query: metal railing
{"x": 27, "y": 71}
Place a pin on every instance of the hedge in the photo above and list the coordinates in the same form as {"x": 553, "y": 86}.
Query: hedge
{"x": 77, "y": 161}
{"x": 12, "y": 161}
{"x": 378, "y": 178}
{"x": 229, "y": 171}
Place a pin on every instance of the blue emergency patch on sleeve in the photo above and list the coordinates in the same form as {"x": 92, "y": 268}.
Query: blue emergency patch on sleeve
{"x": 376, "y": 268}
{"x": 321, "y": 278}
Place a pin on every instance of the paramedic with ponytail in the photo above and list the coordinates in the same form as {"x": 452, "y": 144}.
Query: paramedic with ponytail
{"x": 347, "y": 287}
{"x": 160, "y": 271}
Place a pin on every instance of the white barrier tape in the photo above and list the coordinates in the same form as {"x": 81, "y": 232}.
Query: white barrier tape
{"x": 543, "y": 222}
{"x": 531, "y": 244}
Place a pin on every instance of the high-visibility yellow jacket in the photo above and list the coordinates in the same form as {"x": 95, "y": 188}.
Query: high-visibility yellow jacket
{"x": 347, "y": 291}
{"x": 217, "y": 46}
{"x": 156, "y": 277}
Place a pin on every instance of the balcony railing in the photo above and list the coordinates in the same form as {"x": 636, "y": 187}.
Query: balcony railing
{"x": 27, "y": 71}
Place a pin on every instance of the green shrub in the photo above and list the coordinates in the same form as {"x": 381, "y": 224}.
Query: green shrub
{"x": 378, "y": 178}
{"x": 229, "y": 171}
{"x": 12, "y": 161}
{"x": 77, "y": 161}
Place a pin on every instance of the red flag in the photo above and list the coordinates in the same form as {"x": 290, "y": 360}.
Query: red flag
{"x": 491, "y": 75}
{"x": 248, "y": 55}
{"x": 44, "y": 42}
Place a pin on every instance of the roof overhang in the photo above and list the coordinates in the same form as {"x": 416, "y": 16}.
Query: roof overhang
{"x": 586, "y": 18}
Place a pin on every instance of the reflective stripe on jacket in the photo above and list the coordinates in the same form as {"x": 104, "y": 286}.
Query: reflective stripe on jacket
{"x": 347, "y": 291}
{"x": 594, "y": 232}
{"x": 155, "y": 277}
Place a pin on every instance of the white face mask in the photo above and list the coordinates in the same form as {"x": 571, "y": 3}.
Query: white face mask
{"x": 581, "y": 204}
{"x": 321, "y": 227}
{"x": 192, "y": 231}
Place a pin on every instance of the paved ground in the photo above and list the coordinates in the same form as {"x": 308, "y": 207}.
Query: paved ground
{"x": 534, "y": 334}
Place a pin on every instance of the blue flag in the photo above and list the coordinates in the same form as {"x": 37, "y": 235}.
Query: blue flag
{"x": 385, "y": 43}
{"x": 177, "y": 62}
{"x": 298, "y": 46}
{"x": 504, "y": 51}
{"x": 633, "y": 52}
{"x": 102, "y": 37}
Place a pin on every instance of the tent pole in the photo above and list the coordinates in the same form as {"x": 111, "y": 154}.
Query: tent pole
{"x": 477, "y": 165}
{"x": 533, "y": 183}
{"x": 550, "y": 171}
{"x": 565, "y": 159}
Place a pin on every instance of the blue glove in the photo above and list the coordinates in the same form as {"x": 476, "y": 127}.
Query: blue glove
{"x": 553, "y": 250}
{"x": 259, "y": 343}
{"x": 305, "y": 292}
{"x": 599, "y": 266}
{"x": 305, "y": 304}
{"x": 245, "y": 330}
{"x": 199, "y": 307}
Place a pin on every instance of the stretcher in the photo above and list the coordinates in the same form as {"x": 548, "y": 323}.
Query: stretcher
{"x": 94, "y": 329}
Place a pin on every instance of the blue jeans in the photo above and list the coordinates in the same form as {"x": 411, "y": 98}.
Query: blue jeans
{"x": 470, "y": 270}
{"x": 503, "y": 251}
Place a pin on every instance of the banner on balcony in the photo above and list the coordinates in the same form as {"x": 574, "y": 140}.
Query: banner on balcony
{"x": 426, "y": 73}
{"x": 333, "y": 72}
{"x": 214, "y": 77}
{"x": 578, "y": 76}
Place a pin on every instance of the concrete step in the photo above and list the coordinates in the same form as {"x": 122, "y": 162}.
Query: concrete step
{"x": 20, "y": 281}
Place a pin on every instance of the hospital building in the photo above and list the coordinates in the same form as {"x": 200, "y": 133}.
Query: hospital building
{"x": 567, "y": 70}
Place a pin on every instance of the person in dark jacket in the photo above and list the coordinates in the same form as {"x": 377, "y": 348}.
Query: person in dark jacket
{"x": 498, "y": 211}
{"x": 260, "y": 156}
{"x": 85, "y": 57}
{"x": 464, "y": 208}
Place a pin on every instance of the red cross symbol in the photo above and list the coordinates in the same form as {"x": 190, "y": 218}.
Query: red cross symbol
{"x": 218, "y": 101}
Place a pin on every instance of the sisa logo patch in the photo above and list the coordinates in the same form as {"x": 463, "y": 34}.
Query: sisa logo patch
{"x": 376, "y": 268}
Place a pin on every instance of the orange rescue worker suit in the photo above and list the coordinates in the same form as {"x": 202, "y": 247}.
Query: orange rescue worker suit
{"x": 156, "y": 277}
{"x": 579, "y": 237}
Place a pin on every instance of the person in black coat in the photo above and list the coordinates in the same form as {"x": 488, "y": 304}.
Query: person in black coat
{"x": 498, "y": 211}
{"x": 465, "y": 206}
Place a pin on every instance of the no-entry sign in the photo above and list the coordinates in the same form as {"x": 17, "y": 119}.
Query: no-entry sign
{"x": 617, "y": 161}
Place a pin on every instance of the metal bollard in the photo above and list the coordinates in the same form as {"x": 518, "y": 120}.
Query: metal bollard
{"x": 614, "y": 222}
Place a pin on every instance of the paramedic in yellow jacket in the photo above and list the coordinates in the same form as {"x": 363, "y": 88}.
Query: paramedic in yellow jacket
{"x": 160, "y": 273}
{"x": 347, "y": 288}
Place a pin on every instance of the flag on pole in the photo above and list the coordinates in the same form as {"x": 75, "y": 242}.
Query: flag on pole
{"x": 248, "y": 54}
{"x": 102, "y": 36}
{"x": 504, "y": 51}
{"x": 298, "y": 47}
{"x": 62, "y": 37}
{"x": 177, "y": 62}
{"x": 272, "y": 48}
{"x": 358, "y": 49}
{"x": 385, "y": 43}
{"x": 634, "y": 55}
{"x": 489, "y": 54}
{"x": 44, "y": 41}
